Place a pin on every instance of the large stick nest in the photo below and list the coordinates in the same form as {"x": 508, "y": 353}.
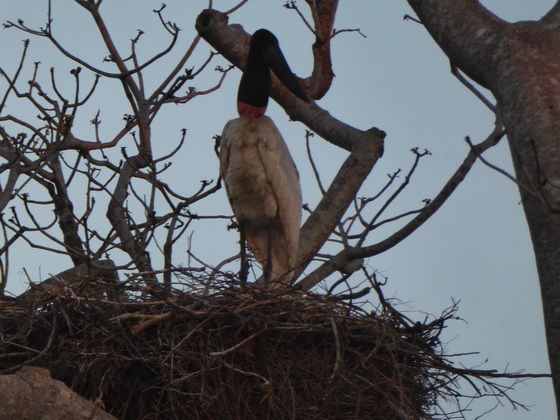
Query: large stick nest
{"x": 229, "y": 352}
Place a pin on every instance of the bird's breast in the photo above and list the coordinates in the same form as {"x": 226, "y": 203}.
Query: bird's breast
{"x": 244, "y": 173}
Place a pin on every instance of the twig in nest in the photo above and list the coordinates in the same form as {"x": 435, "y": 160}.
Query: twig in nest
{"x": 156, "y": 319}
{"x": 338, "y": 348}
{"x": 129, "y": 315}
{"x": 41, "y": 354}
{"x": 221, "y": 353}
{"x": 254, "y": 305}
{"x": 244, "y": 372}
{"x": 350, "y": 296}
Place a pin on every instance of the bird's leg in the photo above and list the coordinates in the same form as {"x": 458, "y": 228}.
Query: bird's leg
{"x": 268, "y": 266}
{"x": 244, "y": 271}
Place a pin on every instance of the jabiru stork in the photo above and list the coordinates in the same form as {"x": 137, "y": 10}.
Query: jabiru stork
{"x": 259, "y": 174}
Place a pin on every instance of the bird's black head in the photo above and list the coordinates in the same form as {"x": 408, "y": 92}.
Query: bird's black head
{"x": 264, "y": 55}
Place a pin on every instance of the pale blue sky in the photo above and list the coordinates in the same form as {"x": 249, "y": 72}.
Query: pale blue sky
{"x": 476, "y": 249}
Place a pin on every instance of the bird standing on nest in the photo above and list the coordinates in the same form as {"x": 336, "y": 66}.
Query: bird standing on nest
{"x": 261, "y": 179}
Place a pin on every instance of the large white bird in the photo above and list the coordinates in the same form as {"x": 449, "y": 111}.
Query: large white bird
{"x": 261, "y": 179}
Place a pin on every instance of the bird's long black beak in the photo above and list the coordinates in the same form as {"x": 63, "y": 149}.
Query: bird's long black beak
{"x": 274, "y": 58}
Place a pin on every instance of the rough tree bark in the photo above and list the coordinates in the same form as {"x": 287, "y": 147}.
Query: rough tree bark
{"x": 31, "y": 394}
{"x": 520, "y": 64}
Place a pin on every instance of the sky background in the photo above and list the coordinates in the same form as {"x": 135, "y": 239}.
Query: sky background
{"x": 475, "y": 250}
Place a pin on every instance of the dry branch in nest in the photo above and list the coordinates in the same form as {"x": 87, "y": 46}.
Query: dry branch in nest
{"x": 231, "y": 353}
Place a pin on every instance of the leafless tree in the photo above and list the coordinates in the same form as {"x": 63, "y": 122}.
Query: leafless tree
{"x": 36, "y": 150}
{"x": 517, "y": 62}
{"x": 125, "y": 205}
{"x": 58, "y": 155}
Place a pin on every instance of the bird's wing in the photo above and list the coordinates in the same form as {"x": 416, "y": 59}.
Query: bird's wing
{"x": 282, "y": 175}
{"x": 224, "y": 148}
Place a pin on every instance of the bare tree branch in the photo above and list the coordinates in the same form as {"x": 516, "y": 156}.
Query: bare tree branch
{"x": 348, "y": 254}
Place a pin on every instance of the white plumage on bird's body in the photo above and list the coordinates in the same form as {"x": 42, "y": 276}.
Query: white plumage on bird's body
{"x": 259, "y": 174}
{"x": 263, "y": 188}
{"x": 244, "y": 175}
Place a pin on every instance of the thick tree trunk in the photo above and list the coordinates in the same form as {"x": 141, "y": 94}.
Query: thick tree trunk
{"x": 520, "y": 64}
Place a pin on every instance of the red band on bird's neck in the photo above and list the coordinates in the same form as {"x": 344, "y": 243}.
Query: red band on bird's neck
{"x": 250, "y": 111}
